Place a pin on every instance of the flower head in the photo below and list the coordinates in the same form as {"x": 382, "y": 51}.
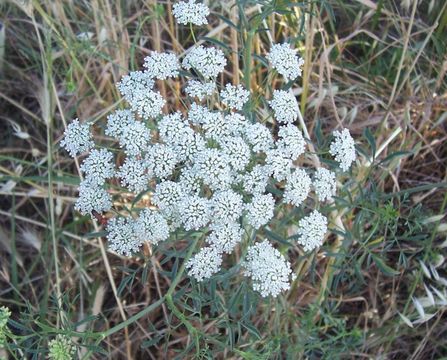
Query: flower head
{"x": 118, "y": 121}
{"x": 161, "y": 160}
{"x": 237, "y": 152}
{"x": 190, "y": 12}
{"x": 92, "y": 197}
{"x": 209, "y": 62}
{"x": 134, "y": 83}
{"x": 151, "y": 226}
{"x": 285, "y": 106}
{"x": 161, "y": 65}
{"x": 278, "y": 163}
{"x": 199, "y": 89}
{"x": 134, "y": 174}
{"x": 122, "y": 237}
{"x": 61, "y": 348}
{"x": 189, "y": 144}
{"x": 190, "y": 181}
{"x": 285, "y": 60}
{"x": 227, "y": 206}
{"x": 234, "y": 97}
{"x": 167, "y": 196}
{"x": 205, "y": 263}
{"x": 225, "y": 236}
{"x": 268, "y": 269}
{"x": 259, "y": 137}
{"x": 260, "y": 210}
{"x": 99, "y": 166}
{"x": 135, "y": 138}
{"x": 77, "y": 138}
{"x": 172, "y": 128}
{"x": 324, "y": 184}
{"x": 255, "y": 181}
{"x": 212, "y": 166}
{"x": 148, "y": 104}
{"x": 291, "y": 141}
{"x": 343, "y": 149}
{"x": 312, "y": 230}
{"x": 194, "y": 212}
{"x": 297, "y": 187}
{"x": 216, "y": 126}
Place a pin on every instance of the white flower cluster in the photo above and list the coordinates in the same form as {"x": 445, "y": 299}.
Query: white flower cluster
{"x": 343, "y": 149}
{"x": 161, "y": 65}
{"x": 211, "y": 172}
{"x": 285, "y": 60}
{"x": 209, "y": 62}
{"x": 234, "y": 97}
{"x": 190, "y": 12}
{"x": 200, "y": 90}
{"x": 312, "y": 230}
{"x": 268, "y": 269}
{"x": 77, "y": 138}
{"x": 284, "y": 106}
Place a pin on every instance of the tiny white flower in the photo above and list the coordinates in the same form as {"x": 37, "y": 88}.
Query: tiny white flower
{"x": 134, "y": 175}
{"x": 118, "y": 121}
{"x": 209, "y": 62}
{"x": 161, "y": 160}
{"x": 225, "y": 236}
{"x": 285, "y": 106}
{"x": 312, "y": 230}
{"x": 212, "y": 166}
{"x": 268, "y": 269}
{"x": 343, "y": 149}
{"x": 92, "y": 197}
{"x": 234, "y": 97}
{"x": 167, "y": 196}
{"x": 135, "y": 138}
{"x": 151, "y": 226}
{"x": 291, "y": 141}
{"x": 324, "y": 184}
{"x": 260, "y": 210}
{"x": 122, "y": 237}
{"x": 186, "y": 12}
{"x": 200, "y": 90}
{"x": 237, "y": 151}
{"x": 136, "y": 82}
{"x": 259, "y": 137}
{"x": 278, "y": 163}
{"x": 297, "y": 187}
{"x": 205, "y": 263}
{"x": 77, "y": 138}
{"x": 148, "y": 104}
{"x": 227, "y": 206}
{"x": 99, "y": 166}
{"x": 255, "y": 181}
{"x": 285, "y": 60}
{"x": 161, "y": 65}
{"x": 194, "y": 212}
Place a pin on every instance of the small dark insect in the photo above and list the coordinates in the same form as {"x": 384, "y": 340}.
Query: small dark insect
{"x": 101, "y": 219}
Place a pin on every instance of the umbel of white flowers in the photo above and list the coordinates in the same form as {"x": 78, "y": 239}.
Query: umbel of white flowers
{"x": 210, "y": 167}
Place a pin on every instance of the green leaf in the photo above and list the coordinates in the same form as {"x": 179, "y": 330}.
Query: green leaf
{"x": 387, "y": 270}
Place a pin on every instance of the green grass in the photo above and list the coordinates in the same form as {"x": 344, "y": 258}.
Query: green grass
{"x": 375, "y": 69}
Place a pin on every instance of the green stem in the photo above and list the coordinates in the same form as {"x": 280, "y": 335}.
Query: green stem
{"x": 247, "y": 58}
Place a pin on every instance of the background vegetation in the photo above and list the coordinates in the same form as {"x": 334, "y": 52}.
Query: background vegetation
{"x": 377, "y": 289}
